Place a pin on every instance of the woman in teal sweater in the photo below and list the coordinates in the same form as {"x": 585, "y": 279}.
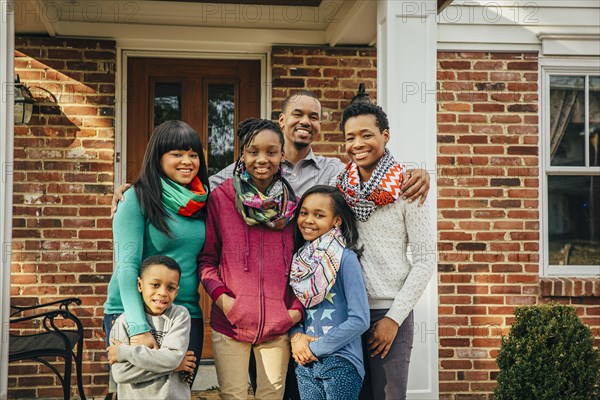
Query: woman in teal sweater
{"x": 163, "y": 215}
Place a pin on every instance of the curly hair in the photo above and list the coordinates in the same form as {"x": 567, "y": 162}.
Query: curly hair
{"x": 362, "y": 108}
{"x": 159, "y": 260}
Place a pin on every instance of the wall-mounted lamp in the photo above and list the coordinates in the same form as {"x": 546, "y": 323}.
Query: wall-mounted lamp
{"x": 23, "y": 103}
{"x": 45, "y": 101}
{"x": 361, "y": 96}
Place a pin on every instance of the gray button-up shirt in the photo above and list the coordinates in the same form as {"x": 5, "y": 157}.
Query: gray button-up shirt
{"x": 312, "y": 170}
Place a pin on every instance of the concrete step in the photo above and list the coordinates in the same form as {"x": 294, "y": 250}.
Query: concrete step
{"x": 207, "y": 376}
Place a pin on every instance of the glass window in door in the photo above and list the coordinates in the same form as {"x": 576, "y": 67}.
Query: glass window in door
{"x": 221, "y": 119}
{"x": 167, "y": 102}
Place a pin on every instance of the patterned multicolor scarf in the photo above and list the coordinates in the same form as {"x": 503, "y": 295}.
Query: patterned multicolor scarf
{"x": 274, "y": 209}
{"x": 382, "y": 188}
{"x": 315, "y": 267}
{"x": 186, "y": 201}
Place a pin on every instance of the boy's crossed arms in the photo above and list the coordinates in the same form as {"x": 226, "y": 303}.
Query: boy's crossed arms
{"x": 132, "y": 363}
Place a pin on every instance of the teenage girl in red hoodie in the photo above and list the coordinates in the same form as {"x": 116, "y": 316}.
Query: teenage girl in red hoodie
{"x": 245, "y": 266}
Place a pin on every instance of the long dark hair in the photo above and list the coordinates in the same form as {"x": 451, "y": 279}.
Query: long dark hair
{"x": 170, "y": 135}
{"x": 340, "y": 209}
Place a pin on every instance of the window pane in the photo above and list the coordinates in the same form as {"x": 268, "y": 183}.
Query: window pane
{"x": 574, "y": 220}
{"x": 567, "y": 120}
{"x": 594, "y": 121}
{"x": 221, "y": 113}
{"x": 167, "y": 102}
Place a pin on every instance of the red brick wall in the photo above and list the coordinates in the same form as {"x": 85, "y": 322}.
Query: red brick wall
{"x": 333, "y": 74}
{"x": 63, "y": 178}
{"x": 488, "y": 209}
{"x": 488, "y": 213}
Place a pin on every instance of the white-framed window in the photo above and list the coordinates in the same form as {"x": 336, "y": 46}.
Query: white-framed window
{"x": 570, "y": 167}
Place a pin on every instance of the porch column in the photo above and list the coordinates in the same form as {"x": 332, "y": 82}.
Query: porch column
{"x": 7, "y": 45}
{"x": 406, "y": 89}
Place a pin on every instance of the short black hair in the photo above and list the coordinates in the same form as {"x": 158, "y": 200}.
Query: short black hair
{"x": 160, "y": 260}
{"x": 294, "y": 97}
{"x": 362, "y": 108}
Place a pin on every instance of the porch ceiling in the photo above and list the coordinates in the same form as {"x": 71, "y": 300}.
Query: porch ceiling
{"x": 332, "y": 22}
{"x": 311, "y": 3}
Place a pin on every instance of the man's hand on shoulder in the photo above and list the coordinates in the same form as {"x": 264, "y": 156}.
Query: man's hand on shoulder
{"x": 416, "y": 185}
{"x": 117, "y": 197}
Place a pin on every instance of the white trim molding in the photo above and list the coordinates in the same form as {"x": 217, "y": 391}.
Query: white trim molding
{"x": 559, "y": 66}
{"x": 332, "y": 21}
{"x": 576, "y": 45}
{"x": 517, "y": 26}
{"x": 7, "y": 51}
{"x": 406, "y": 89}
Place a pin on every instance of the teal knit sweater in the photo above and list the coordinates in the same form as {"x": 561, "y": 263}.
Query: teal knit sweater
{"x": 134, "y": 240}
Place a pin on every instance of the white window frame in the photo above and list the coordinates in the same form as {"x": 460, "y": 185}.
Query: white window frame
{"x": 561, "y": 66}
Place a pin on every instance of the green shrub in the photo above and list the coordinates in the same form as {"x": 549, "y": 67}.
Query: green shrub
{"x": 548, "y": 355}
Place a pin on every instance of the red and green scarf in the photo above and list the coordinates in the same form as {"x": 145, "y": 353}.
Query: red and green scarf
{"x": 184, "y": 200}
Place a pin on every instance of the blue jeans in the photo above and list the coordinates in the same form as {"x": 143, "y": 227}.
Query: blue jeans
{"x": 330, "y": 378}
{"x": 196, "y": 335}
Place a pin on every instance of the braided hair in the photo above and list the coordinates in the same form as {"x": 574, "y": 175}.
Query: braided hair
{"x": 247, "y": 131}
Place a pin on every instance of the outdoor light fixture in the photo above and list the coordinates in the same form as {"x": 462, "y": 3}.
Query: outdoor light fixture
{"x": 361, "y": 96}
{"x": 23, "y": 103}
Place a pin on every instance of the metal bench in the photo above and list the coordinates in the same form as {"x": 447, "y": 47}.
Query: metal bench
{"x": 51, "y": 341}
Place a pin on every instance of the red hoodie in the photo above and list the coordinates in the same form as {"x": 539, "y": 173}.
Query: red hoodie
{"x": 251, "y": 264}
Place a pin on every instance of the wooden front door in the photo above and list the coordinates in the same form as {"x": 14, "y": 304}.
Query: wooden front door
{"x": 212, "y": 96}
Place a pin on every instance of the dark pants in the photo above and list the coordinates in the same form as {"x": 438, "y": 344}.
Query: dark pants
{"x": 291, "y": 384}
{"x": 330, "y": 378}
{"x": 196, "y": 335}
{"x": 388, "y": 378}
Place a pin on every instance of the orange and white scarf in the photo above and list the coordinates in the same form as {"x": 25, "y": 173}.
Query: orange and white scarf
{"x": 382, "y": 188}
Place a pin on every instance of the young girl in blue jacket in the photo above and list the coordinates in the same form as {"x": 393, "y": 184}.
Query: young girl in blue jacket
{"x": 327, "y": 279}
